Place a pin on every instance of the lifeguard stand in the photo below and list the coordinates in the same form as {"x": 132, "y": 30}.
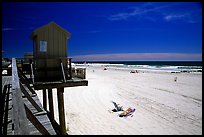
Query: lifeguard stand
{"x": 50, "y": 51}
{"x": 50, "y": 67}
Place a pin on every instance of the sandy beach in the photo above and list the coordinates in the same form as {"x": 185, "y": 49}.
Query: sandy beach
{"x": 162, "y": 105}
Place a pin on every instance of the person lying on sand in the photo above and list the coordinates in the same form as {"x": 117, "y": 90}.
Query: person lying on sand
{"x": 127, "y": 112}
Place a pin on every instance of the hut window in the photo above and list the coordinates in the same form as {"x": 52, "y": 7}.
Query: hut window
{"x": 43, "y": 46}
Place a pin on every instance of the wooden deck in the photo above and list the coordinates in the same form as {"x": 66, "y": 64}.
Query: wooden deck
{"x": 8, "y": 119}
{"x": 57, "y": 84}
{"x": 22, "y": 112}
{"x": 36, "y": 120}
{"x": 6, "y": 109}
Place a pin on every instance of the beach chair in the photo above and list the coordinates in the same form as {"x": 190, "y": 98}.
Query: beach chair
{"x": 117, "y": 107}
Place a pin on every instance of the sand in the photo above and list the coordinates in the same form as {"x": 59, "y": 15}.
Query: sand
{"x": 162, "y": 105}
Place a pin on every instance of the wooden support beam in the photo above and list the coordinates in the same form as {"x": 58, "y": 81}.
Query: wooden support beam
{"x": 44, "y": 99}
{"x": 69, "y": 83}
{"x": 60, "y": 98}
{"x": 32, "y": 75}
{"x": 70, "y": 68}
{"x": 63, "y": 72}
{"x": 50, "y": 99}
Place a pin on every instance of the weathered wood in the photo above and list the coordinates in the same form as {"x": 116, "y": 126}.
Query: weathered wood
{"x": 32, "y": 75}
{"x": 58, "y": 84}
{"x": 63, "y": 72}
{"x": 19, "y": 114}
{"x": 44, "y": 99}
{"x": 6, "y": 110}
{"x": 70, "y": 68}
{"x": 3, "y": 108}
{"x": 50, "y": 99}
{"x": 35, "y": 122}
{"x": 60, "y": 97}
{"x": 41, "y": 116}
{"x": 40, "y": 113}
{"x": 30, "y": 98}
{"x": 25, "y": 80}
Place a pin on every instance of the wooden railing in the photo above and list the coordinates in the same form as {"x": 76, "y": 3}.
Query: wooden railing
{"x": 28, "y": 67}
{"x": 79, "y": 73}
{"x": 21, "y": 112}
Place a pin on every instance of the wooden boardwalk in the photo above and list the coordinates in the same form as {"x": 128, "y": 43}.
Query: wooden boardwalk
{"x": 6, "y": 109}
{"x": 22, "y": 112}
{"x": 8, "y": 119}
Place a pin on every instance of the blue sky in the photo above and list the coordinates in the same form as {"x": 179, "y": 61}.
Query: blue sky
{"x": 109, "y": 30}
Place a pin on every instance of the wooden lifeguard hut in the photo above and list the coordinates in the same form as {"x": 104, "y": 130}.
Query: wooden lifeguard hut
{"x": 50, "y": 68}
{"x": 49, "y": 51}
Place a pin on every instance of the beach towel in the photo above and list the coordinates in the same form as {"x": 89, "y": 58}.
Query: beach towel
{"x": 127, "y": 112}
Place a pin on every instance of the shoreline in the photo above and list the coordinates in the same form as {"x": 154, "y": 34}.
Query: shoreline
{"x": 142, "y": 70}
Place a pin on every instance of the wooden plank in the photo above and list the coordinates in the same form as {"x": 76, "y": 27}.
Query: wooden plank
{"x": 69, "y": 83}
{"x": 19, "y": 114}
{"x": 60, "y": 97}
{"x": 50, "y": 99}
{"x": 3, "y": 101}
{"x": 10, "y": 110}
{"x": 63, "y": 72}
{"x": 25, "y": 80}
{"x": 30, "y": 98}
{"x": 44, "y": 99}
{"x": 8, "y": 86}
{"x": 31, "y": 65}
{"x": 35, "y": 122}
{"x": 70, "y": 68}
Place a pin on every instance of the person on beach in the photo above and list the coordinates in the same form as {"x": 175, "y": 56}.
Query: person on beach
{"x": 175, "y": 79}
{"x": 127, "y": 112}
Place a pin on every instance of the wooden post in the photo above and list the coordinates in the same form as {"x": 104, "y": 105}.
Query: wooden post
{"x": 32, "y": 75}
{"x": 50, "y": 99}
{"x": 63, "y": 72}
{"x": 30, "y": 62}
{"x": 44, "y": 99}
{"x": 70, "y": 68}
{"x": 60, "y": 98}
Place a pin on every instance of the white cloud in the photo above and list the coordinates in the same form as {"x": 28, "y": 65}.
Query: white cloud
{"x": 172, "y": 17}
{"x": 154, "y": 12}
{"x": 188, "y": 16}
{"x": 137, "y": 11}
{"x": 8, "y": 29}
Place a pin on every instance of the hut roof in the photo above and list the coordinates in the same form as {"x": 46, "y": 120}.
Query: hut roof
{"x": 34, "y": 33}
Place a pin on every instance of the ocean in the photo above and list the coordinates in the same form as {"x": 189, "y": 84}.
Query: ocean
{"x": 195, "y": 66}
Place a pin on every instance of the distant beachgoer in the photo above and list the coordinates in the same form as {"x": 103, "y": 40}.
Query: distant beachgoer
{"x": 132, "y": 71}
{"x": 175, "y": 79}
{"x": 136, "y": 71}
